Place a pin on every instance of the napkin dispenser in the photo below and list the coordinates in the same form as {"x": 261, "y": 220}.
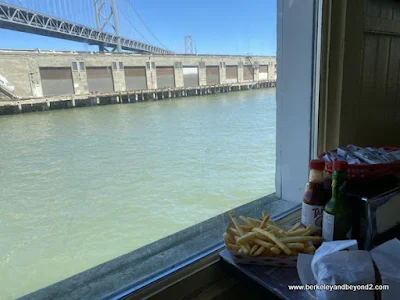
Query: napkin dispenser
{"x": 376, "y": 219}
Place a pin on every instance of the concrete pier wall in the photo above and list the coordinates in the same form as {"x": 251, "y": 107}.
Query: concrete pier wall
{"x": 212, "y": 75}
{"x": 248, "y": 73}
{"x": 191, "y": 76}
{"x": 263, "y": 72}
{"x": 107, "y": 72}
{"x": 56, "y": 81}
{"x": 121, "y": 97}
{"x": 165, "y": 77}
{"x": 135, "y": 78}
{"x": 231, "y": 74}
{"x": 100, "y": 79}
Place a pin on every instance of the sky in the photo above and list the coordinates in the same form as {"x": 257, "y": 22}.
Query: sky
{"x": 216, "y": 26}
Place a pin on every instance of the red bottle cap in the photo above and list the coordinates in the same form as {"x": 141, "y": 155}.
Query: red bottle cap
{"x": 317, "y": 164}
{"x": 340, "y": 165}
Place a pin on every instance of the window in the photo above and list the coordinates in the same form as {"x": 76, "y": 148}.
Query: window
{"x": 178, "y": 64}
{"x": 144, "y": 188}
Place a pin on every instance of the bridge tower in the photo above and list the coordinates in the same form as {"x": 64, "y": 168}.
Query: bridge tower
{"x": 188, "y": 44}
{"x": 107, "y": 14}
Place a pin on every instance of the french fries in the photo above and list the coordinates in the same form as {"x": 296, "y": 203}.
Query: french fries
{"x": 265, "y": 238}
{"x": 295, "y": 226}
{"x": 264, "y": 222}
{"x": 245, "y": 220}
{"x": 236, "y": 223}
{"x": 259, "y": 251}
{"x": 255, "y": 221}
{"x": 254, "y": 249}
{"x": 263, "y": 243}
{"x": 274, "y": 239}
{"x": 246, "y": 238}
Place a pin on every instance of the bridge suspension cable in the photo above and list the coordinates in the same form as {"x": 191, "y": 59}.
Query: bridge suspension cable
{"x": 144, "y": 23}
{"x": 131, "y": 24}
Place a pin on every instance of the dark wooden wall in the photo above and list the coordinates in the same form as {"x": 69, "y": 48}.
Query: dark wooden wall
{"x": 380, "y": 98}
{"x": 360, "y": 86}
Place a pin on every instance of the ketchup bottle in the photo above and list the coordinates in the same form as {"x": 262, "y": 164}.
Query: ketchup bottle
{"x": 314, "y": 199}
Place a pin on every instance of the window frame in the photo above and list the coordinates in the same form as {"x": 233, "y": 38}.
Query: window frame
{"x": 298, "y": 78}
{"x": 114, "y": 66}
{"x": 75, "y": 66}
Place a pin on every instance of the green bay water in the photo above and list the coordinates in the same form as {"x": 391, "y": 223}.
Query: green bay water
{"x": 82, "y": 186}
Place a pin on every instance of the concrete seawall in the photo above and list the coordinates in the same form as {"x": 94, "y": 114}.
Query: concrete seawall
{"x": 40, "y": 80}
{"x": 36, "y": 74}
{"x": 71, "y": 101}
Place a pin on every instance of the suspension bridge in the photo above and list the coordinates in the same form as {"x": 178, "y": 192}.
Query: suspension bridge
{"x": 119, "y": 72}
{"x": 74, "y": 20}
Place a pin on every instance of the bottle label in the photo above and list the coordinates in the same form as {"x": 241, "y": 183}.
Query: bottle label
{"x": 328, "y": 226}
{"x": 312, "y": 215}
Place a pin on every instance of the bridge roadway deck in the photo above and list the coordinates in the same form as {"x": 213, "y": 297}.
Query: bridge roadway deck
{"x": 21, "y": 19}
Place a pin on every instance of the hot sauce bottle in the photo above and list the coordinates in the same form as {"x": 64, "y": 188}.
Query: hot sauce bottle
{"x": 314, "y": 199}
{"x": 337, "y": 213}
